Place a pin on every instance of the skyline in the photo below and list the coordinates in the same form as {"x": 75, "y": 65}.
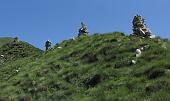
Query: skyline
{"x": 37, "y": 21}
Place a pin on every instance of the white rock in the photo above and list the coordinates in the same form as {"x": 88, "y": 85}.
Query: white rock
{"x": 164, "y": 46}
{"x": 73, "y": 38}
{"x": 133, "y": 62}
{"x": 142, "y": 31}
{"x": 152, "y": 36}
{"x": 146, "y": 46}
{"x": 141, "y": 48}
{"x": 138, "y": 55}
{"x": 138, "y": 51}
{"x": 2, "y": 55}
{"x": 59, "y": 47}
{"x": 168, "y": 70}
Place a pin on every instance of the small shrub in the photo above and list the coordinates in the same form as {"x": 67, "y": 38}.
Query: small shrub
{"x": 90, "y": 57}
{"x": 93, "y": 81}
{"x": 155, "y": 87}
{"x": 155, "y": 72}
{"x": 122, "y": 64}
{"x": 4, "y": 99}
{"x": 25, "y": 98}
{"x": 64, "y": 58}
{"x": 161, "y": 96}
{"x": 70, "y": 77}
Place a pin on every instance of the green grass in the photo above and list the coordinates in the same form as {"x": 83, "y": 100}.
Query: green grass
{"x": 89, "y": 68}
{"x": 5, "y": 40}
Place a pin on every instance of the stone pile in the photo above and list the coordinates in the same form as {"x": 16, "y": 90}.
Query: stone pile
{"x": 140, "y": 28}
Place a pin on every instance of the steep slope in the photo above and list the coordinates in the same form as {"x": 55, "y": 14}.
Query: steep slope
{"x": 95, "y": 68}
{"x": 12, "y": 51}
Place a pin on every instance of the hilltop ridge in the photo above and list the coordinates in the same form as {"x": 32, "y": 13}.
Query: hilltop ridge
{"x": 5, "y": 40}
{"x": 11, "y": 50}
{"x": 91, "y": 68}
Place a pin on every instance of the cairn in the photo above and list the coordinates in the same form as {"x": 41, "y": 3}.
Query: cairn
{"x": 140, "y": 28}
{"x": 16, "y": 39}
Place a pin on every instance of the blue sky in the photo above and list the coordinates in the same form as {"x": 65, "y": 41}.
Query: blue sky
{"x": 35, "y": 21}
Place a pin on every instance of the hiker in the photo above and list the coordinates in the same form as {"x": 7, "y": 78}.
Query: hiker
{"x": 83, "y": 30}
{"x": 48, "y": 44}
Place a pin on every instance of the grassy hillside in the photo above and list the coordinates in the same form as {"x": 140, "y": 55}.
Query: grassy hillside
{"x": 91, "y": 68}
{"x": 5, "y": 40}
{"x": 11, "y": 51}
